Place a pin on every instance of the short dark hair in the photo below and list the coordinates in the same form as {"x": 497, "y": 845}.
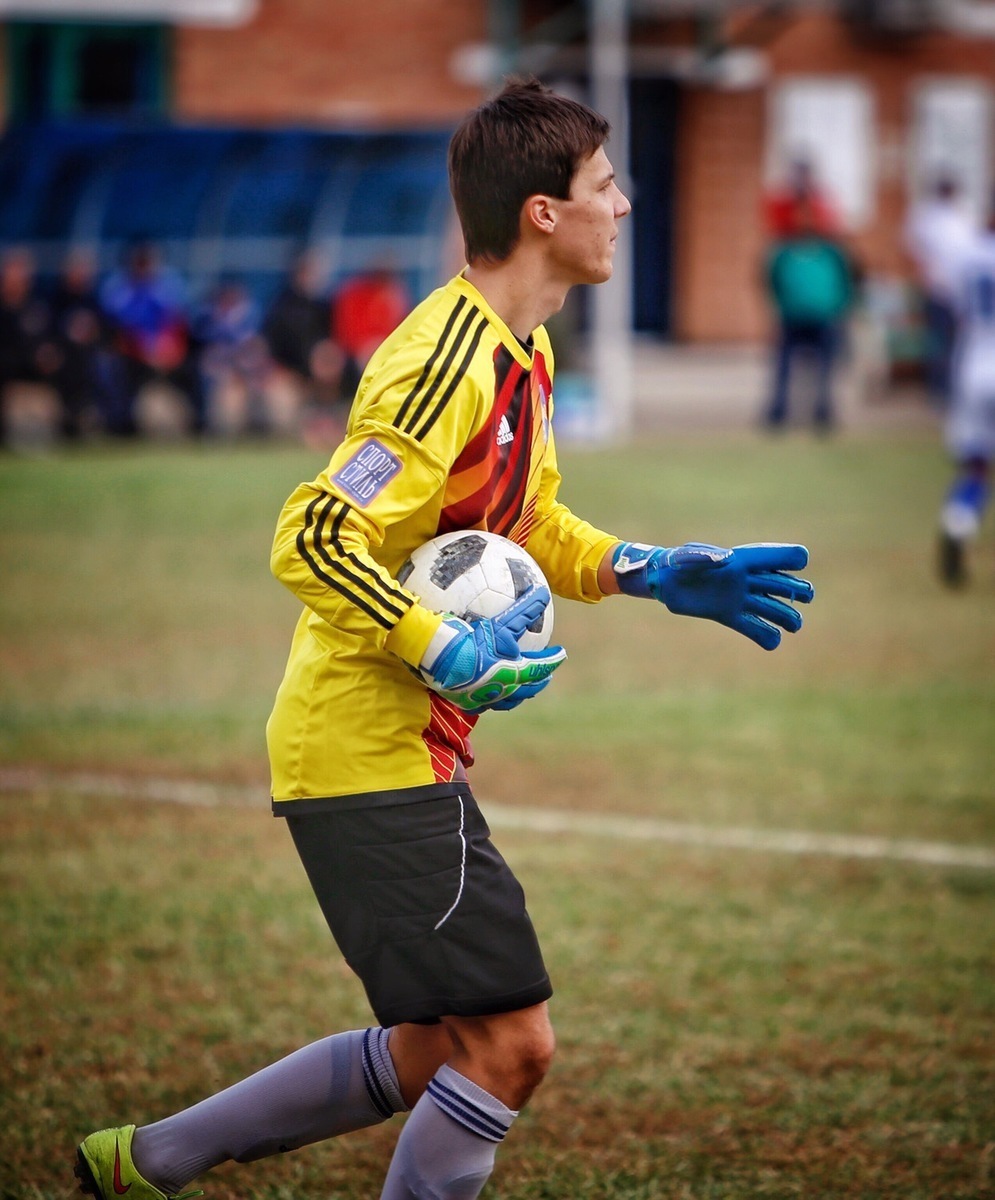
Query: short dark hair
{"x": 524, "y": 141}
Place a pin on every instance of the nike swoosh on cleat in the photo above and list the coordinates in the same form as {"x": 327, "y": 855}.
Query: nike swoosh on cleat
{"x": 119, "y": 1188}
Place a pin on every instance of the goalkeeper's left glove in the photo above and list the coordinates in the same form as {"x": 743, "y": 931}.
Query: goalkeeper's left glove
{"x": 738, "y": 587}
{"x": 478, "y": 664}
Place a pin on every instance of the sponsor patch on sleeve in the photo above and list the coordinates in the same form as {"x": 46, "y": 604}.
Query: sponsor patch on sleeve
{"x": 368, "y": 472}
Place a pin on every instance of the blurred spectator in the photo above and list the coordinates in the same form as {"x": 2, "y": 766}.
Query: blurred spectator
{"x": 85, "y": 373}
{"x": 970, "y": 429}
{"x": 305, "y": 385}
{"x": 29, "y": 353}
{"x": 811, "y": 283}
{"x": 146, "y": 304}
{"x": 800, "y": 199}
{"x": 296, "y": 327}
{"x": 234, "y": 360}
{"x": 938, "y": 231}
{"x": 366, "y": 309}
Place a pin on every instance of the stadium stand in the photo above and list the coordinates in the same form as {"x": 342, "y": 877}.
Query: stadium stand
{"x": 223, "y": 202}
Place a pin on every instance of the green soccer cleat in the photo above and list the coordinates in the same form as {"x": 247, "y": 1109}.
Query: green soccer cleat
{"x": 105, "y": 1169}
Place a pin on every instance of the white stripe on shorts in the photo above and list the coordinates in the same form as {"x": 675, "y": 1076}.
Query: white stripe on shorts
{"x": 462, "y": 867}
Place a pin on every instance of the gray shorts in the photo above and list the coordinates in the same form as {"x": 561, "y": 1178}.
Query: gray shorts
{"x": 423, "y": 907}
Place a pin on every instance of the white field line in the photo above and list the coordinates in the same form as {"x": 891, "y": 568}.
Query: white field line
{"x": 538, "y": 820}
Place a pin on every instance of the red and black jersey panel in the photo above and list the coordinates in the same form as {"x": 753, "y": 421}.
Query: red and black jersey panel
{"x": 489, "y": 482}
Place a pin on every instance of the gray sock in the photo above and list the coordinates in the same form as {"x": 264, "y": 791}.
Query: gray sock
{"x": 447, "y": 1146}
{"x": 333, "y": 1086}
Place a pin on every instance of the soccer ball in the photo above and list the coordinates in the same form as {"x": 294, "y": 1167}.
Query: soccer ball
{"x": 471, "y": 573}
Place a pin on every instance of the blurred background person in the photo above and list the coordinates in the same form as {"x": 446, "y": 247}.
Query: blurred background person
{"x": 85, "y": 372}
{"x": 296, "y": 328}
{"x": 970, "y": 427}
{"x": 146, "y": 304}
{"x": 938, "y": 232}
{"x": 811, "y": 281}
{"x": 307, "y": 362}
{"x": 234, "y": 360}
{"x": 29, "y": 352}
{"x": 26, "y": 338}
{"x": 799, "y": 198}
{"x": 366, "y": 309}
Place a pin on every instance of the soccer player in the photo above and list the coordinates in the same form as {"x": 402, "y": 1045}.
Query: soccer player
{"x": 970, "y": 424}
{"x": 451, "y": 428}
{"x": 938, "y": 231}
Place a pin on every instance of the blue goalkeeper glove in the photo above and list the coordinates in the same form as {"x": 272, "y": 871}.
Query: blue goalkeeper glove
{"x": 745, "y": 587}
{"x": 479, "y": 665}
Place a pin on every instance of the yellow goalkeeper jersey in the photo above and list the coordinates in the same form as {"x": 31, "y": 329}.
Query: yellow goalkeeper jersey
{"x": 450, "y": 429}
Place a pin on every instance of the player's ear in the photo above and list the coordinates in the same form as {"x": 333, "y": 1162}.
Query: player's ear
{"x": 539, "y": 213}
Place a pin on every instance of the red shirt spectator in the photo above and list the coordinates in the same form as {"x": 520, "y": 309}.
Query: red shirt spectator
{"x": 783, "y": 207}
{"x": 367, "y": 309}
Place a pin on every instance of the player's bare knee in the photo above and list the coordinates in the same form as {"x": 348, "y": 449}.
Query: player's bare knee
{"x": 508, "y": 1054}
{"x": 538, "y": 1052}
{"x": 524, "y": 1072}
{"x": 535, "y": 1057}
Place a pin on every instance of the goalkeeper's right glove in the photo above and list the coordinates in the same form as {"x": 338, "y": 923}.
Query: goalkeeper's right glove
{"x": 479, "y": 664}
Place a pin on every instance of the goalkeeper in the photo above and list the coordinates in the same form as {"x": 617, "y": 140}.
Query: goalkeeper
{"x": 369, "y": 739}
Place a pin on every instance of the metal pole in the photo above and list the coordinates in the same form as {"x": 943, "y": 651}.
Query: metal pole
{"x": 608, "y": 41}
{"x": 504, "y": 22}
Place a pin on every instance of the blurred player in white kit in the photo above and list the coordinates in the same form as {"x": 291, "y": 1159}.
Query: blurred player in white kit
{"x": 970, "y": 425}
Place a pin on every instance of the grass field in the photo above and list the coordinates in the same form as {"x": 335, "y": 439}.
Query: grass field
{"x": 731, "y": 1023}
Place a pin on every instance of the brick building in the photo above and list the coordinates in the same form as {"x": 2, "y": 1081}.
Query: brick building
{"x": 876, "y": 92}
{"x": 895, "y": 106}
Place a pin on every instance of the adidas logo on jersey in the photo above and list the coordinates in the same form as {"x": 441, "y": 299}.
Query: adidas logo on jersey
{"x": 505, "y": 433}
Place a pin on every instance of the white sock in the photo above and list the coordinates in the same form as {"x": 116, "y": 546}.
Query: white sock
{"x": 446, "y": 1149}
{"x": 960, "y": 520}
{"x": 331, "y": 1087}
